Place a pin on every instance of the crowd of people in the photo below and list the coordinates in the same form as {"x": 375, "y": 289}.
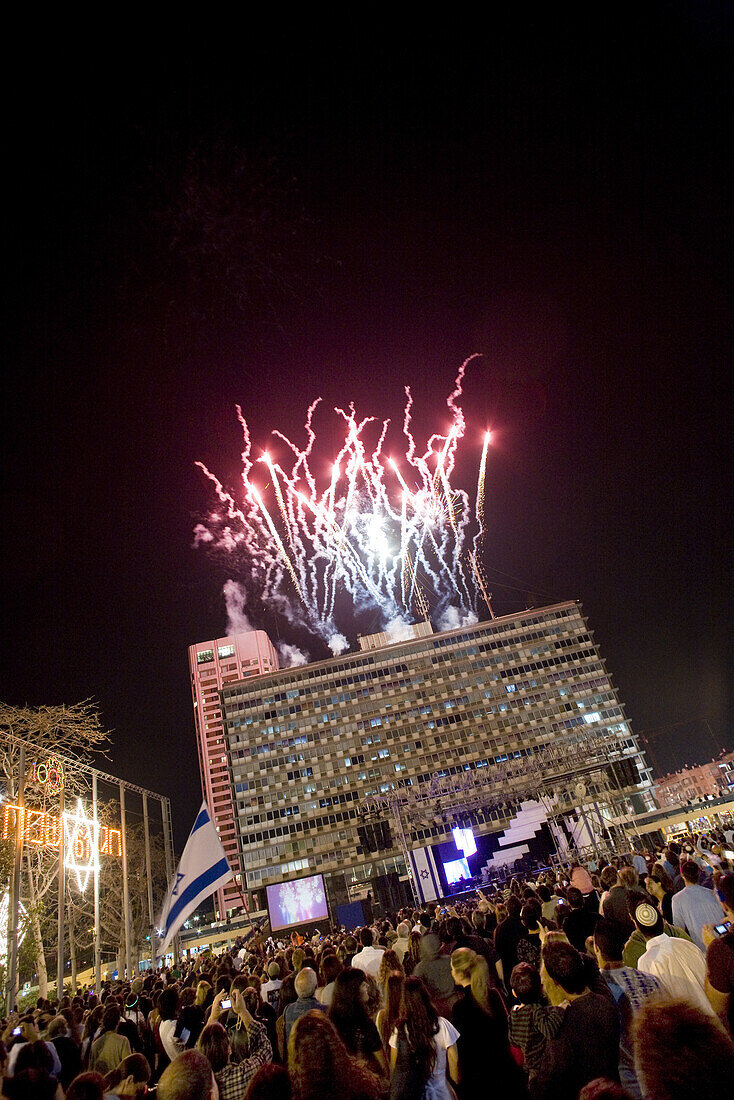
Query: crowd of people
{"x": 611, "y": 980}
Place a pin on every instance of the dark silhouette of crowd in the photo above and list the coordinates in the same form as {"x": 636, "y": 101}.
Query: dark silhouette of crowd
{"x": 612, "y": 980}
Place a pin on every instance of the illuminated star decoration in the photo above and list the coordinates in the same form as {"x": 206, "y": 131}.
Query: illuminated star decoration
{"x": 81, "y": 836}
{"x": 4, "y": 907}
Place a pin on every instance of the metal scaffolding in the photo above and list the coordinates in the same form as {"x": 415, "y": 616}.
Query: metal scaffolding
{"x": 568, "y": 775}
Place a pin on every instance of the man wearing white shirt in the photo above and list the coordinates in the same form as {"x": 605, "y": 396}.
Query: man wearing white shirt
{"x": 678, "y": 964}
{"x": 369, "y": 958}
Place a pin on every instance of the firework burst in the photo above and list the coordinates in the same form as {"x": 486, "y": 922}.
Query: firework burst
{"x": 379, "y": 527}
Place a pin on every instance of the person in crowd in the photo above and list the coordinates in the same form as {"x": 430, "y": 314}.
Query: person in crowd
{"x": 579, "y": 923}
{"x": 659, "y": 887}
{"x": 435, "y": 971}
{"x": 388, "y": 1016}
{"x": 480, "y": 1019}
{"x": 681, "y": 1053}
{"x": 678, "y": 964}
{"x": 402, "y": 943}
{"x": 615, "y": 906}
{"x": 532, "y": 1020}
{"x": 587, "y": 1043}
{"x": 33, "y": 1078}
{"x": 630, "y": 989}
{"x": 110, "y": 1048}
{"x": 581, "y": 880}
{"x": 423, "y": 1048}
{"x": 67, "y": 1049}
{"x": 413, "y": 955}
{"x": 389, "y": 964}
{"x": 232, "y": 1078}
{"x": 349, "y": 1015}
{"x": 694, "y": 905}
{"x": 248, "y": 1039}
{"x": 130, "y": 1079}
{"x": 269, "y": 990}
{"x": 506, "y": 938}
{"x": 330, "y": 968}
{"x": 305, "y": 984}
{"x": 720, "y": 955}
{"x": 369, "y": 958}
{"x": 320, "y": 1066}
{"x": 549, "y": 902}
{"x": 189, "y": 1077}
{"x": 271, "y": 1082}
{"x": 86, "y": 1086}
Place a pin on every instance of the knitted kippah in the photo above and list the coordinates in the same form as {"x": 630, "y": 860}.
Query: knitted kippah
{"x": 646, "y": 915}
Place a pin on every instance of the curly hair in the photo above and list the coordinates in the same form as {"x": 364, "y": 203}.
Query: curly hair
{"x": 389, "y": 964}
{"x": 319, "y": 1063}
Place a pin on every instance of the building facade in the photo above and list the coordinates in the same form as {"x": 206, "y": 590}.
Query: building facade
{"x": 213, "y": 664}
{"x": 692, "y": 784}
{"x": 305, "y": 745}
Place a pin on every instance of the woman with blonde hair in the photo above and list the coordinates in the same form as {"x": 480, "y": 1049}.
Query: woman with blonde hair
{"x": 480, "y": 1017}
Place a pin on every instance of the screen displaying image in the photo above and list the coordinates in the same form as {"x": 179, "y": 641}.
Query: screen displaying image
{"x": 456, "y": 870}
{"x": 296, "y": 902}
{"x": 464, "y": 840}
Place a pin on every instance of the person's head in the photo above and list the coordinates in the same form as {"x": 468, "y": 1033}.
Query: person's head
{"x": 299, "y": 956}
{"x": 680, "y": 1052}
{"x": 403, "y": 930}
{"x": 132, "y": 1075}
{"x": 514, "y": 906}
{"x": 562, "y": 972}
{"x": 167, "y": 1003}
{"x": 725, "y": 894}
{"x": 647, "y": 918}
{"x": 34, "y": 1056}
{"x": 189, "y": 1077}
{"x": 274, "y": 971}
{"x": 350, "y": 995}
{"x": 58, "y": 1026}
{"x": 525, "y": 983}
{"x": 330, "y": 967}
{"x": 203, "y": 990}
{"x": 271, "y": 1082}
{"x": 575, "y": 897}
{"x": 388, "y": 964}
{"x": 306, "y": 982}
{"x": 213, "y": 1043}
{"x": 365, "y": 937}
{"x": 608, "y": 877}
{"x": 110, "y": 1017}
{"x": 318, "y": 1060}
{"x": 87, "y": 1086}
{"x": 470, "y": 969}
{"x": 628, "y": 877}
{"x": 690, "y": 872}
{"x": 529, "y": 916}
{"x": 609, "y": 940}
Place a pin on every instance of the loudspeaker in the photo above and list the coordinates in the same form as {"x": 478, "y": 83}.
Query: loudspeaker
{"x": 375, "y": 836}
{"x": 624, "y": 773}
{"x": 390, "y": 893}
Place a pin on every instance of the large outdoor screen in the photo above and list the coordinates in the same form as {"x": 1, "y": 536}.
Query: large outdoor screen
{"x": 456, "y": 870}
{"x": 297, "y": 902}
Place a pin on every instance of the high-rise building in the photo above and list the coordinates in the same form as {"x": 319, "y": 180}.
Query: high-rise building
{"x": 305, "y": 745}
{"x": 212, "y": 665}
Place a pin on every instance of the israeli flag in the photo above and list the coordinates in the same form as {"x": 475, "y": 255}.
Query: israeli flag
{"x": 202, "y": 870}
{"x": 425, "y": 873}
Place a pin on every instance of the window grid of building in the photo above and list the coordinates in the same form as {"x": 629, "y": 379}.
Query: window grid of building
{"x": 306, "y": 745}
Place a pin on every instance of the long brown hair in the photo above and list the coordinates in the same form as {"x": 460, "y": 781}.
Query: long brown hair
{"x": 418, "y": 1023}
{"x": 393, "y": 1005}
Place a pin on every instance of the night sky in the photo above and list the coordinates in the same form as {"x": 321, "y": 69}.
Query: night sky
{"x": 263, "y": 221}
